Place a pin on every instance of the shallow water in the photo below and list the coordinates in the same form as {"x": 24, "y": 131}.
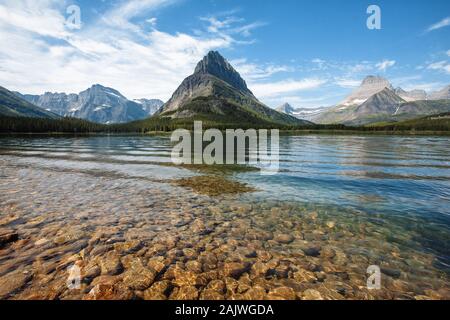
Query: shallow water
{"x": 338, "y": 205}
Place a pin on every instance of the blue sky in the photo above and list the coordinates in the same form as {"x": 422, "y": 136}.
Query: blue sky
{"x": 307, "y": 53}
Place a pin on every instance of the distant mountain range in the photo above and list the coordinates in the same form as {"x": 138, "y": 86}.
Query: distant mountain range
{"x": 215, "y": 92}
{"x": 376, "y": 100}
{"x": 98, "y": 104}
{"x": 301, "y": 113}
{"x": 13, "y": 106}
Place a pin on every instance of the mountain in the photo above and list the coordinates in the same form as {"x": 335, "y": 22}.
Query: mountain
{"x": 150, "y": 106}
{"x": 376, "y": 100}
{"x": 285, "y": 108}
{"x": 106, "y": 105}
{"x": 216, "y": 92}
{"x": 412, "y": 95}
{"x": 301, "y": 113}
{"x": 98, "y": 104}
{"x": 58, "y": 103}
{"x": 441, "y": 94}
{"x": 369, "y": 86}
{"x": 13, "y": 106}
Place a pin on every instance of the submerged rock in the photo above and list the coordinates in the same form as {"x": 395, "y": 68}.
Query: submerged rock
{"x": 117, "y": 291}
{"x": 7, "y": 236}
{"x": 282, "y": 293}
{"x": 284, "y": 238}
{"x": 185, "y": 293}
{"x": 110, "y": 264}
{"x": 235, "y": 269}
{"x": 13, "y": 282}
{"x": 311, "y": 294}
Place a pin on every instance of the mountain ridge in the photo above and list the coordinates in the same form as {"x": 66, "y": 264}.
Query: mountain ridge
{"x": 13, "y": 106}
{"x": 97, "y": 103}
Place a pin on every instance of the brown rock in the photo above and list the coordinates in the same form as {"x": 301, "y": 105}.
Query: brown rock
{"x": 184, "y": 278}
{"x": 189, "y": 253}
{"x": 255, "y": 293}
{"x": 210, "y": 295}
{"x": 90, "y": 271}
{"x": 110, "y": 264}
{"x": 231, "y": 285}
{"x": 285, "y": 293}
{"x": 235, "y": 269}
{"x": 184, "y": 293}
{"x": 194, "y": 266}
{"x": 158, "y": 291}
{"x": 156, "y": 265}
{"x": 284, "y": 238}
{"x": 7, "y": 236}
{"x": 116, "y": 291}
{"x": 311, "y": 294}
{"x": 259, "y": 269}
{"x": 264, "y": 256}
{"x": 13, "y": 282}
{"x": 128, "y": 247}
{"x": 217, "y": 285}
{"x": 139, "y": 278}
{"x": 304, "y": 276}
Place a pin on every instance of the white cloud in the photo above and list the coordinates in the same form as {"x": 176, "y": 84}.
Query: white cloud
{"x": 448, "y": 53}
{"x": 441, "y": 24}
{"x": 39, "y": 17}
{"x": 440, "y": 66}
{"x": 385, "y": 64}
{"x": 272, "y": 89}
{"x": 43, "y": 55}
{"x": 253, "y": 71}
{"x": 227, "y": 25}
{"x": 427, "y": 86}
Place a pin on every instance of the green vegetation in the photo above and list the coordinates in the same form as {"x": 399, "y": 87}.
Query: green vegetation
{"x": 440, "y": 122}
{"x": 13, "y": 106}
{"x": 220, "y": 121}
{"x": 45, "y": 125}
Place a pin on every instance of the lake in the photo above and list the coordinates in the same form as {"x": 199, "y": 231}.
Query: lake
{"x": 112, "y": 206}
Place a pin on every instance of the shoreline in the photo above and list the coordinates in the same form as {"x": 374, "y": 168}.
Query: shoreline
{"x": 282, "y": 132}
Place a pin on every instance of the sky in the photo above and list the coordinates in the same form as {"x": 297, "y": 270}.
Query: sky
{"x": 306, "y": 53}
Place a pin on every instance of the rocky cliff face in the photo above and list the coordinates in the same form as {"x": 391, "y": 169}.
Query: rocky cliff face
{"x": 369, "y": 86}
{"x": 150, "y": 106}
{"x": 285, "y": 108}
{"x": 412, "y": 95}
{"x": 216, "y": 65}
{"x": 383, "y": 102}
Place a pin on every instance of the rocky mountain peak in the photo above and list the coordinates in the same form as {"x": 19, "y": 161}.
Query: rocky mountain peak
{"x": 442, "y": 94}
{"x": 285, "y": 108}
{"x": 369, "y": 86}
{"x": 375, "y": 80}
{"x": 214, "y": 64}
